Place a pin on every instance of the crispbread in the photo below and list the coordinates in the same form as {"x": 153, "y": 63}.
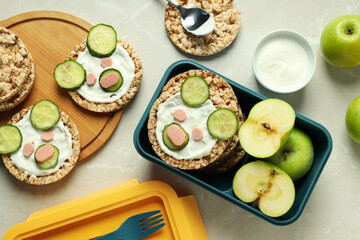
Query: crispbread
{"x": 227, "y": 21}
{"x": 231, "y": 156}
{"x": 119, "y": 104}
{"x": 221, "y": 95}
{"x": 22, "y": 94}
{"x": 64, "y": 170}
{"x": 15, "y": 64}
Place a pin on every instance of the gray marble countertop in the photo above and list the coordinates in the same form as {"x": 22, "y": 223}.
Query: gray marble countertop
{"x": 332, "y": 211}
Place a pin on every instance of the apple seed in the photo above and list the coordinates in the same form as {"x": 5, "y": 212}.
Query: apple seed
{"x": 267, "y": 126}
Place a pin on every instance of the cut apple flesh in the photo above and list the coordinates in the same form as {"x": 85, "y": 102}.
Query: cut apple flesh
{"x": 279, "y": 199}
{"x": 265, "y": 185}
{"x": 267, "y": 128}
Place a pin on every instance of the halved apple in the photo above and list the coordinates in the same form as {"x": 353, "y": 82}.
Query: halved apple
{"x": 267, "y": 127}
{"x": 266, "y": 186}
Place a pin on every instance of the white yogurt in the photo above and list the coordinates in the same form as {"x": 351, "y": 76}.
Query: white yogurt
{"x": 282, "y": 62}
{"x": 62, "y": 140}
{"x": 196, "y": 117}
{"x": 121, "y": 61}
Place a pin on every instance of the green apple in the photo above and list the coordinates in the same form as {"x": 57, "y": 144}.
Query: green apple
{"x": 352, "y": 119}
{"x": 296, "y": 156}
{"x": 266, "y": 186}
{"x": 267, "y": 127}
{"x": 340, "y": 41}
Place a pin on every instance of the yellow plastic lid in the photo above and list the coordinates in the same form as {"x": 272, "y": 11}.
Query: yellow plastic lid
{"x": 104, "y": 211}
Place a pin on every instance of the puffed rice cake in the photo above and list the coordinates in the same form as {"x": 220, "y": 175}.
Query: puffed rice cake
{"x": 227, "y": 24}
{"x": 17, "y": 71}
{"x": 221, "y": 95}
{"x": 64, "y": 170}
{"x": 120, "y": 103}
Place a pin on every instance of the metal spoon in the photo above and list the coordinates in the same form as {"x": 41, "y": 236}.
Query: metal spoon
{"x": 195, "y": 20}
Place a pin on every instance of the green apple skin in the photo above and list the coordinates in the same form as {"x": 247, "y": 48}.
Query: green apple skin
{"x": 340, "y": 41}
{"x": 352, "y": 120}
{"x": 296, "y": 156}
{"x": 266, "y": 186}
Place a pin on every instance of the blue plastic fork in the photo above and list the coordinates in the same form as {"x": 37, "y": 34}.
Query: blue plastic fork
{"x": 136, "y": 227}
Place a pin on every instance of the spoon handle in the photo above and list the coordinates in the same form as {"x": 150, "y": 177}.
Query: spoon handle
{"x": 175, "y": 3}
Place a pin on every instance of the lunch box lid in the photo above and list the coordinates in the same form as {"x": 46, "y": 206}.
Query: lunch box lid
{"x": 104, "y": 211}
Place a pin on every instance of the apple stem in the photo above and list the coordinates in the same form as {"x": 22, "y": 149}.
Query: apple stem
{"x": 255, "y": 203}
{"x": 267, "y": 126}
{"x": 349, "y": 31}
{"x": 285, "y": 155}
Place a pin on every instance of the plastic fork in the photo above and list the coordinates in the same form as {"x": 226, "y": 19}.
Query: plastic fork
{"x": 136, "y": 227}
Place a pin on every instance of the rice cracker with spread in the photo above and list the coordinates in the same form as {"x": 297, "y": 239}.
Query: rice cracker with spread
{"x": 31, "y": 162}
{"x": 222, "y": 154}
{"x": 112, "y": 78}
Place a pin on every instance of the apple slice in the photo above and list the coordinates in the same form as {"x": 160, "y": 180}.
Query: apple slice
{"x": 266, "y": 186}
{"x": 267, "y": 127}
{"x": 296, "y": 156}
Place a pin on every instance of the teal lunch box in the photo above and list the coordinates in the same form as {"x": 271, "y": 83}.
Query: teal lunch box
{"x": 222, "y": 183}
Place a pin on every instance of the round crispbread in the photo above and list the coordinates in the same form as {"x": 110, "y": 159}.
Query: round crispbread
{"x": 120, "y": 103}
{"x": 221, "y": 95}
{"x": 231, "y": 156}
{"x": 227, "y": 24}
{"x": 15, "y": 64}
{"x": 20, "y": 95}
{"x": 64, "y": 170}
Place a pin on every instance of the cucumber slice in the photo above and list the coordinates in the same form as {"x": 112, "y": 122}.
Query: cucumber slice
{"x": 168, "y": 141}
{"x": 69, "y": 75}
{"x": 44, "y": 114}
{"x": 101, "y": 40}
{"x": 194, "y": 91}
{"x": 10, "y": 138}
{"x": 51, "y": 163}
{"x": 222, "y": 123}
{"x": 116, "y": 86}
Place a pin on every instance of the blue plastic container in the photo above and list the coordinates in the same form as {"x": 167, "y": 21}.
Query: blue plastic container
{"x": 221, "y": 184}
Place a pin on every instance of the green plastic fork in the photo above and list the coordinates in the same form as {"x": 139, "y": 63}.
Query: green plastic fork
{"x": 136, "y": 227}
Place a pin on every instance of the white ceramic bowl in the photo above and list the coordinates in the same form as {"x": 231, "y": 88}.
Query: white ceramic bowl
{"x": 294, "y": 36}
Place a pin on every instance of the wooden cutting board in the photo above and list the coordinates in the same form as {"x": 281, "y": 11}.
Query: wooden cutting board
{"x": 50, "y": 36}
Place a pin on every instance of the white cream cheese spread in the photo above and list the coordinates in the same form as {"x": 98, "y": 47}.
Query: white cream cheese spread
{"x": 62, "y": 140}
{"x": 196, "y": 117}
{"x": 121, "y": 62}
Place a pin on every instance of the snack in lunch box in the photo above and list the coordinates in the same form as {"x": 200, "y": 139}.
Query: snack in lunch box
{"x": 40, "y": 144}
{"x": 227, "y": 24}
{"x": 203, "y": 111}
{"x": 102, "y": 74}
{"x": 17, "y": 72}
